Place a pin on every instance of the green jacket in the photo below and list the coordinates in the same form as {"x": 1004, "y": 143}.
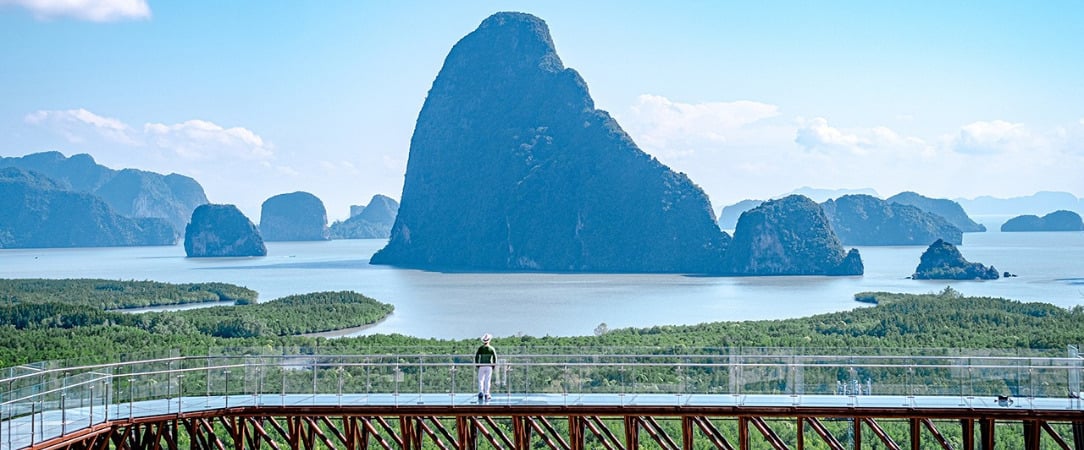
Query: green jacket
{"x": 486, "y": 355}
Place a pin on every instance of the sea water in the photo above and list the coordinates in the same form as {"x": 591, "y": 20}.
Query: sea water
{"x": 1050, "y": 268}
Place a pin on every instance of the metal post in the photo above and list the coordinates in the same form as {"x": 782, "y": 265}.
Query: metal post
{"x": 621, "y": 395}
{"x": 63, "y": 413}
{"x": 226, "y": 393}
{"x": 452, "y": 393}
{"x": 107, "y": 397}
{"x": 258, "y": 394}
{"x": 131, "y": 397}
{"x": 507, "y": 380}
{"x": 180, "y": 392}
{"x": 9, "y": 423}
{"x": 169, "y": 388}
{"x": 564, "y": 387}
{"x": 33, "y": 422}
{"x": 396, "y": 377}
{"x": 9, "y": 414}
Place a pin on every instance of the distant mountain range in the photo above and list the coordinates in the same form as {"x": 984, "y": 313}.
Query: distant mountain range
{"x": 129, "y": 192}
{"x": 1039, "y": 203}
{"x": 959, "y": 212}
{"x": 38, "y": 212}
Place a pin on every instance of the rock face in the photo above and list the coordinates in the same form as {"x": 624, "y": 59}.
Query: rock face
{"x": 372, "y": 222}
{"x": 129, "y": 192}
{"x": 728, "y": 217}
{"x": 948, "y": 209}
{"x": 511, "y": 167}
{"x": 868, "y": 220}
{"x": 38, "y": 212}
{"x": 222, "y": 230}
{"x": 789, "y": 236}
{"x": 943, "y": 261}
{"x": 298, "y": 216}
{"x": 1055, "y": 221}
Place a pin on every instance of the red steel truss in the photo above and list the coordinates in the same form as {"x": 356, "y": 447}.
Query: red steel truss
{"x": 579, "y": 427}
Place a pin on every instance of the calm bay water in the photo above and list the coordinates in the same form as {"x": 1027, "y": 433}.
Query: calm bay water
{"x": 432, "y": 304}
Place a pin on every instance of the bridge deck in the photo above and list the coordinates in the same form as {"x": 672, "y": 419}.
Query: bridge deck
{"x": 23, "y": 431}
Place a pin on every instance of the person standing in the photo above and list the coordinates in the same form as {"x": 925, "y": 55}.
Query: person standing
{"x": 485, "y": 359}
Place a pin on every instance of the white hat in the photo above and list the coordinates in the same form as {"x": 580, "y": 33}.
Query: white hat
{"x": 486, "y": 337}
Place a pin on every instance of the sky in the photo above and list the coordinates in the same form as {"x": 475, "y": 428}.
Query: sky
{"x": 751, "y": 99}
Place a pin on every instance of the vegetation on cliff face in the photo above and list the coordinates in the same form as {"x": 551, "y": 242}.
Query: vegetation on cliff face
{"x": 36, "y": 212}
{"x": 511, "y": 167}
{"x": 943, "y": 261}
{"x": 868, "y": 220}
{"x": 1056, "y": 221}
{"x": 297, "y": 216}
{"x": 789, "y": 236}
{"x": 222, "y": 230}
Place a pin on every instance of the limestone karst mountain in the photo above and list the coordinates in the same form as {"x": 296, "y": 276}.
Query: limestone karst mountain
{"x": 129, "y": 192}
{"x": 789, "y": 236}
{"x": 943, "y": 261}
{"x": 950, "y": 210}
{"x": 512, "y": 167}
{"x": 373, "y": 221}
{"x": 39, "y": 212}
{"x": 222, "y": 230}
{"x": 1060, "y": 220}
{"x": 868, "y": 220}
{"x": 297, "y": 216}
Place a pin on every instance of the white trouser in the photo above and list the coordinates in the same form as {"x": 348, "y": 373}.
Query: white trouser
{"x": 485, "y": 373}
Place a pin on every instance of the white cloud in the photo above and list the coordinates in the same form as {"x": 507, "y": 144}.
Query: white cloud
{"x": 200, "y": 139}
{"x": 995, "y": 137}
{"x": 192, "y": 139}
{"x": 90, "y": 10}
{"x": 75, "y": 124}
{"x": 816, "y": 134}
{"x": 681, "y": 127}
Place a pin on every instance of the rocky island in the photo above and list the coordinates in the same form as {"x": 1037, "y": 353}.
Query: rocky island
{"x": 222, "y": 230}
{"x": 297, "y": 216}
{"x": 867, "y": 220}
{"x": 373, "y": 221}
{"x": 512, "y": 167}
{"x": 943, "y": 261}
{"x": 948, "y": 209}
{"x": 1061, "y": 220}
{"x": 789, "y": 236}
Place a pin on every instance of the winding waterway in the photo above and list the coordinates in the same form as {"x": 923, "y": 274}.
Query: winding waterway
{"x": 456, "y": 305}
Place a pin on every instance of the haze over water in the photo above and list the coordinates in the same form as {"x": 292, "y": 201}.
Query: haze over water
{"x": 456, "y": 305}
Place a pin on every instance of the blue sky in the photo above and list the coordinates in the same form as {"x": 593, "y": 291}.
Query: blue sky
{"x": 751, "y": 99}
